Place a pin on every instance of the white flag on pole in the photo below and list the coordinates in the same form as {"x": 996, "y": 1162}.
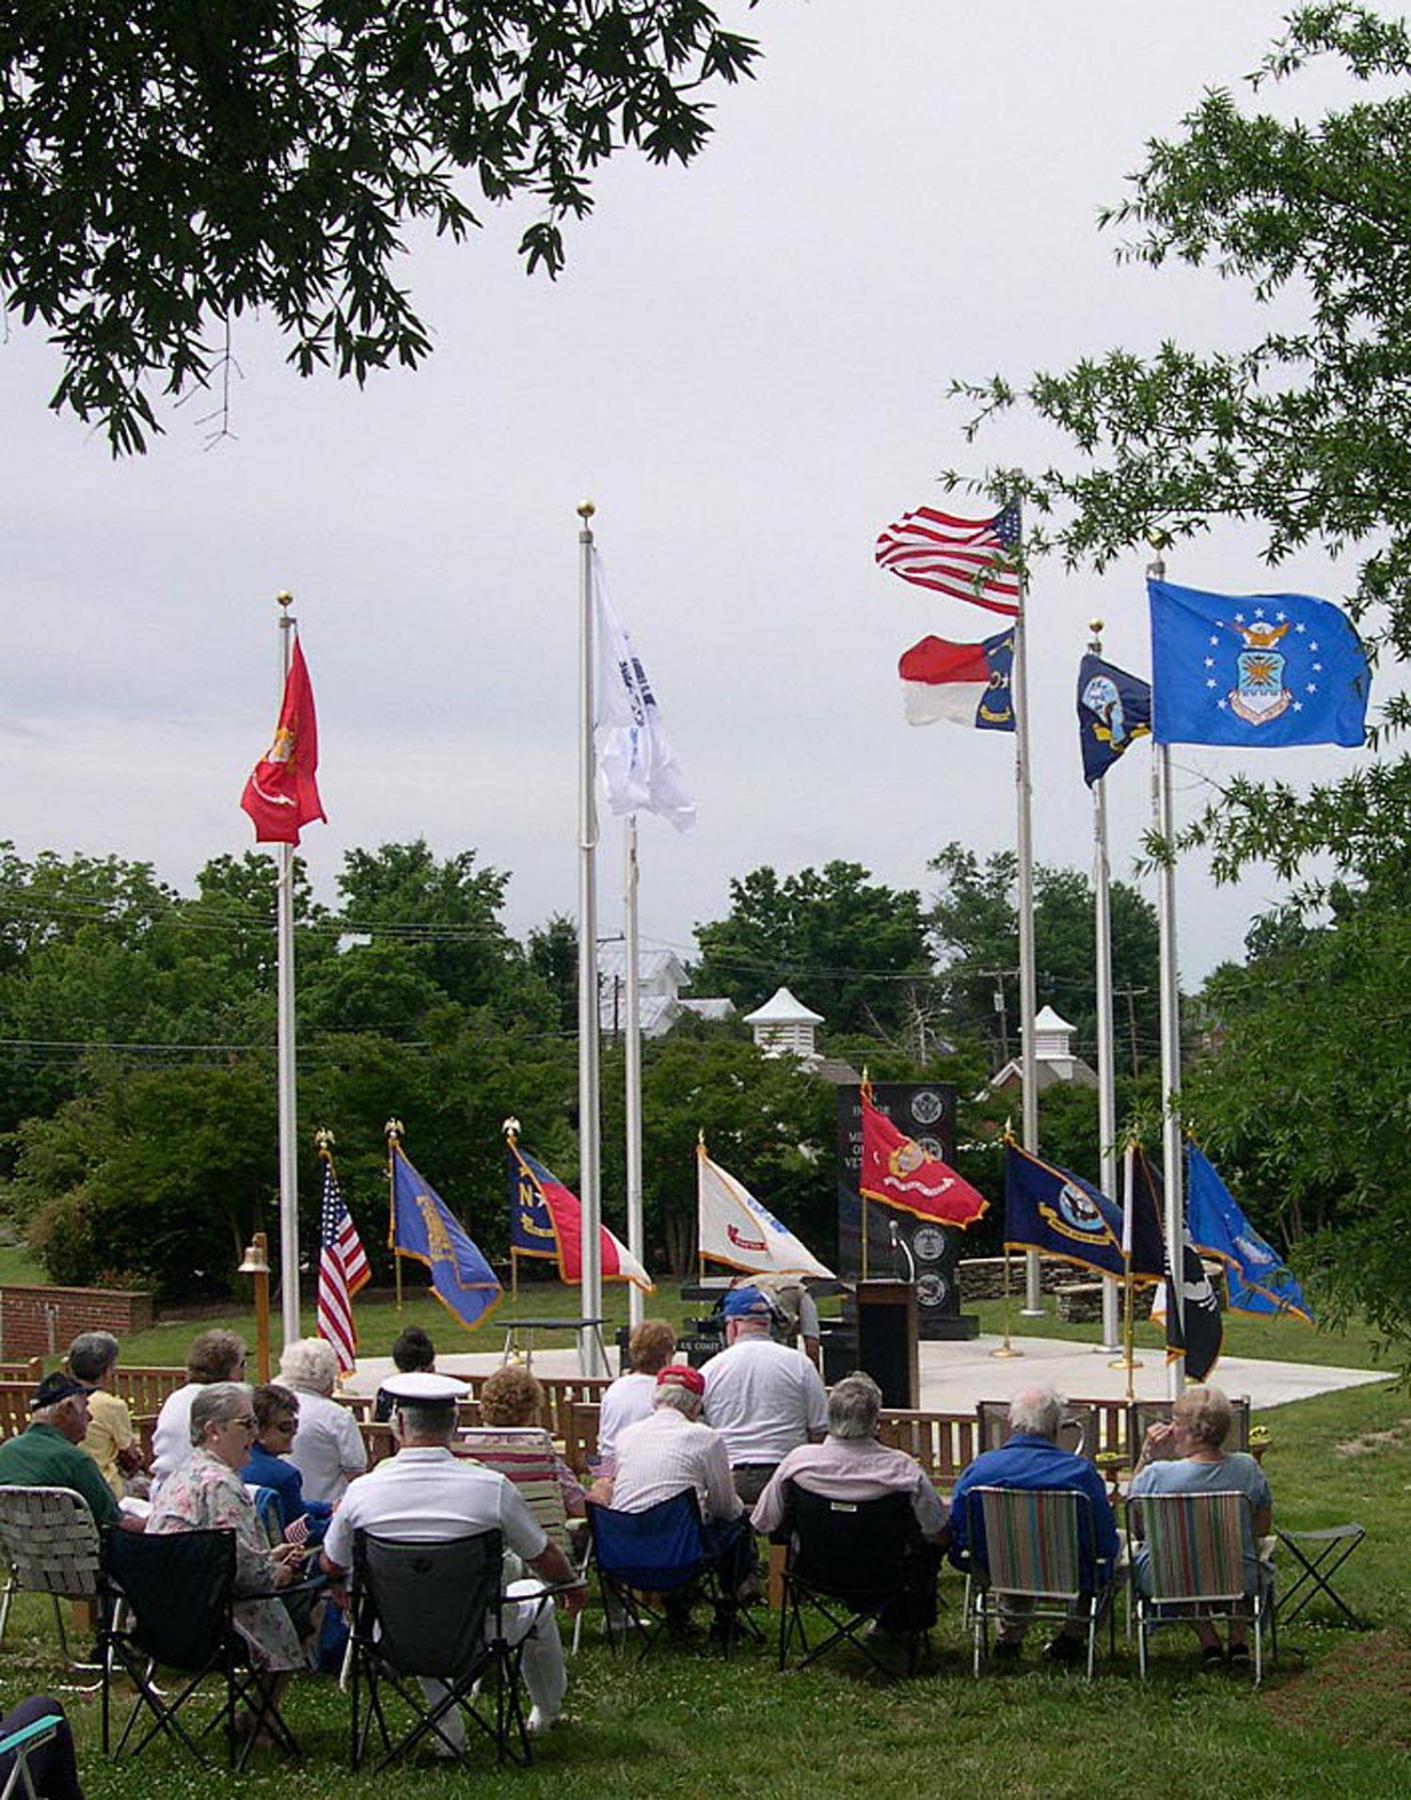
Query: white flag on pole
{"x": 737, "y": 1229}
{"x": 639, "y": 770}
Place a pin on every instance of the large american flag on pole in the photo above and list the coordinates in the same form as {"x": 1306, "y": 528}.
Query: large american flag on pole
{"x": 342, "y": 1270}
{"x": 965, "y": 558}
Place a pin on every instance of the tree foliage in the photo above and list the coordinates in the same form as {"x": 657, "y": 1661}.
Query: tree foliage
{"x": 166, "y": 167}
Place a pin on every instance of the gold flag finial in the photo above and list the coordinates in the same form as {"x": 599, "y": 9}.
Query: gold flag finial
{"x": 394, "y": 1131}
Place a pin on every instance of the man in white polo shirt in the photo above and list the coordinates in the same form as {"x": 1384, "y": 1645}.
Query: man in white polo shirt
{"x": 427, "y": 1495}
{"x": 763, "y": 1398}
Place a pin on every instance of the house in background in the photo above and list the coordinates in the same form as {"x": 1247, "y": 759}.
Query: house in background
{"x": 661, "y": 974}
{"x": 1057, "y": 1066}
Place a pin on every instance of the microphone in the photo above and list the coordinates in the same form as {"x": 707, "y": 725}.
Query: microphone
{"x": 900, "y": 1243}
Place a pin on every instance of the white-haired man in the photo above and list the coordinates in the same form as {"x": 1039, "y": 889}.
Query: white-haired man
{"x": 1033, "y": 1460}
{"x": 427, "y": 1495}
{"x": 763, "y": 1398}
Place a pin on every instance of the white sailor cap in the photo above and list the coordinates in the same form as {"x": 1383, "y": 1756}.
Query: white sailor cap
{"x": 425, "y": 1388}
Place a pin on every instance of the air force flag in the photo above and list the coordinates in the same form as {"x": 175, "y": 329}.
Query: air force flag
{"x": 1257, "y": 1277}
{"x": 1260, "y": 670}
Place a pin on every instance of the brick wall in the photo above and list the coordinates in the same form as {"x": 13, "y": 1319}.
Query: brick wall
{"x": 44, "y": 1321}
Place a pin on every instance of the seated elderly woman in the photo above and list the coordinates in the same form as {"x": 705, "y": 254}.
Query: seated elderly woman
{"x": 206, "y": 1493}
{"x": 513, "y": 1400}
{"x": 1187, "y": 1456}
{"x": 213, "y": 1356}
{"x": 328, "y": 1450}
{"x": 110, "y": 1439}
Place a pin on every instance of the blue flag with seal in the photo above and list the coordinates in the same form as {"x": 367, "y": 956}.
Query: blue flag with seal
{"x": 1058, "y": 1214}
{"x": 425, "y": 1229}
{"x": 1114, "y": 709}
{"x": 1261, "y": 671}
{"x": 1256, "y": 1276}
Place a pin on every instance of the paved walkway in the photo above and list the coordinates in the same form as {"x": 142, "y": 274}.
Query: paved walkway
{"x": 955, "y": 1376}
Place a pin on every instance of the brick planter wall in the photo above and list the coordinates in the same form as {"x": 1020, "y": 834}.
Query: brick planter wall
{"x": 44, "y": 1321}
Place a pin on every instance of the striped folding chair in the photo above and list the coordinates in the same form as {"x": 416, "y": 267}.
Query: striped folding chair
{"x": 1038, "y": 1559}
{"x": 1195, "y": 1565}
{"x": 49, "y": 1544}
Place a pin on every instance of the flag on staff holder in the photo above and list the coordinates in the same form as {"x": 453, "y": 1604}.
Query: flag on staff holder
{"x": 1060, "y": 1215}
{"x": 1194, "y": 1332}
{"x": 426, "y": 1231}
{"x": 1114, "y": 709}
{"x": 1259, "y": 671}
{"x": 342, "y": 1264}
{"x": 969, "y": 559}
{"x": 638, "y": 767}
{"x": 281, "y": 795}
{"x": 896, "y": 1171}
{"x": 1257, "y": 1279}
{"x": 963, "y": 684}
{"x": 546, "y": 1220}
{"x": 736, "y": 1229}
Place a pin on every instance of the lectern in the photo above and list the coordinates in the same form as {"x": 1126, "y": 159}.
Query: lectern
{"x": 886, "y": 1340}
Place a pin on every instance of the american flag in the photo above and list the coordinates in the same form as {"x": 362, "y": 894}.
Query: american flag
{"x": 342, "y": 1270}
{"x": 961, "y": 557}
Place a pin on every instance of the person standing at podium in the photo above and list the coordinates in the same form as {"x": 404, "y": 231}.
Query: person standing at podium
{"x": 763, "y": 1398}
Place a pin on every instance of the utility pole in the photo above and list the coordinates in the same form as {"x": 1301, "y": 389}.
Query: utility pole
{"x": 1131, "y": 995}
{"x": 1001, "y": 1017}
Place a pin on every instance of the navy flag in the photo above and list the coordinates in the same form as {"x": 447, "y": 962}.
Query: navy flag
{"x": 1048, "y": 1210}
{"x": 1114, "y": 708}
{"x": 425, "y": 1229}
{"x": 1193, "y": 1329}
{"x": 1262, "y": 671}
{"x": 1255, "y": 1275}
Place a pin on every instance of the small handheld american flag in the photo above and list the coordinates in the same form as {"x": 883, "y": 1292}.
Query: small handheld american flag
{"x": 342, "y": 1269}
{"x": 965, "y": 558}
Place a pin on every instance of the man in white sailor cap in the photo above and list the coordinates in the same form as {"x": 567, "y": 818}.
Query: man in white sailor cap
{"x": 427, "y": 1495}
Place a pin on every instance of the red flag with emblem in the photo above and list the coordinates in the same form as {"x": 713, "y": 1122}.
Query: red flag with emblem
{"x": 899, "y": 1172}
{"x": 281, "y": 795}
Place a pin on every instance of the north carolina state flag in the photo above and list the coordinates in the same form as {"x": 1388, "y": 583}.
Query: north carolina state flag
{"x": 898, "y": 1172}
{"x": 546, "y": 1219}
{"x": 281, "y": 795}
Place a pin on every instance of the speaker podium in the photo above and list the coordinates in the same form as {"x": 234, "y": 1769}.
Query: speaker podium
{"x": 887, "y": 1340}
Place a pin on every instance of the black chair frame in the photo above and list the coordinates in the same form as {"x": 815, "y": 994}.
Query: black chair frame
{"x": 136, "y": 1639}
{"x": 849, "y": 1609}
{"x": 488, "y": 1654}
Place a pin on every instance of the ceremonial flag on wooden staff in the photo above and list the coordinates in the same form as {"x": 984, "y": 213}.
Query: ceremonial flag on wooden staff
{"x": 342, "y": 1269}
{"x": 546, "y": 1220}
{"x": 1114, "y": 710}
{"x": 969, "y": 559}
{"x": 1194, "y": 1330}
{"x": 1256, "y": 1276}
{"x": 281, "y": 795}
{"x": 898, "y": 1172}
{"x": 1058, "y": 1214}
{"x": 966, "y": 684}
{"x": 740, "y": 1231}
{"x": 425, "y": 1230}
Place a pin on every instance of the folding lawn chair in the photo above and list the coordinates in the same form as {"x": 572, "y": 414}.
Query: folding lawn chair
{"x": 1039, "y": 1550}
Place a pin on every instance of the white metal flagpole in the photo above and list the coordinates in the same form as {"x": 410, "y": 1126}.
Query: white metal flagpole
{"x": 1028, "y": 1003}
{"x": 1106, "y": 1060}
{"x": 636, "y": 1300}
{"x": 590, "y": 1355}
{"x": 1163, "y": 821}
{"x": 286, "y": 1063}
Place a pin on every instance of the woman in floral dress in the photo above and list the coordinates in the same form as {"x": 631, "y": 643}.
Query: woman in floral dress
{"x": 206, "y": 1493}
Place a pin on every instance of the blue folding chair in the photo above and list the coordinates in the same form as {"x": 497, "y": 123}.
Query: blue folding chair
{"x": 661, "y": 1553}
{"x": 19, "y": 1745}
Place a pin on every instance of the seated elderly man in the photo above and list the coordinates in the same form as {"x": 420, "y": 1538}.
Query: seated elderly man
{"x": 1033, "y": 1460}
{"x": 47, "y": 1454}
{"x": 427, "y": 1495}
{"x": 850, "y": 1465}
{"x": 630, "y": 1398}
{"x": 763, "y": 1398}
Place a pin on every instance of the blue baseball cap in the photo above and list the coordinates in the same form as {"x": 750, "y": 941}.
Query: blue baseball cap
{"x": 746, "y": 1303}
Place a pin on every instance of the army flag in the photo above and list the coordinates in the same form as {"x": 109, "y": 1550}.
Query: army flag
{"x": 1114, "y": 710}
{"x": 638, "y": 766}
{"x": 899, "y": 1172}
{"x": 546, "y": 1220}
{"x": 1261, "y": 671}
{"x": 1058, "y": 1214}
{"x": 425, "y": 1229}
{"x": 1255, "y": 1275}
{"x": 740, "y": 1231}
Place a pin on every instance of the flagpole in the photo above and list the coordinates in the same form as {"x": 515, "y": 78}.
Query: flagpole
{"x": 636, "y": 1300}
{"x": 1126, "y": 1360}
{"x": 1028, "y": 1002}
{"x": 1163, "y": 823}
{"x": 286, "y": 1066}
{"x": 1006, "y": 1350}
{"x": 392, "y": 1131}
{"x": 1106, "y": 1059}
{"x": 590, "y": 1356}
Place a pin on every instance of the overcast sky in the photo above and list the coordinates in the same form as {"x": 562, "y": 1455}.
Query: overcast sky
{"x": 745, "y": 367}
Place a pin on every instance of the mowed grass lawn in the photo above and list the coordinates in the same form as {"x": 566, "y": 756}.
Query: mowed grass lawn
{"x": 1333, "y": 1716}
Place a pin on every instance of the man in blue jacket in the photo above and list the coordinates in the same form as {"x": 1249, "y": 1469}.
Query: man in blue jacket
{"x": 1031, "y": 1459}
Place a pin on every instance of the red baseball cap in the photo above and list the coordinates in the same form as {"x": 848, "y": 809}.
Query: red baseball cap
{"x": 680, "y": 1375}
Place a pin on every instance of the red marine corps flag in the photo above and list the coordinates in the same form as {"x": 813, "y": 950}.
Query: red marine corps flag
{"x": 281, "y": 795}
{"x": 897, "y": 1171}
